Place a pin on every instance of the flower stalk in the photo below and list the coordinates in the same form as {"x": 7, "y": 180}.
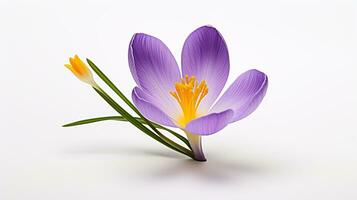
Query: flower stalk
{"x": 196, "y": 144}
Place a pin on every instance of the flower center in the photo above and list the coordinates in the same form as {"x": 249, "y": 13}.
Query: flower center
{"x": 189, "y": 94}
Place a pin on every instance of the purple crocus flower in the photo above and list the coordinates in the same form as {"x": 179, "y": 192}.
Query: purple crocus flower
{"x": 186, "y": 100}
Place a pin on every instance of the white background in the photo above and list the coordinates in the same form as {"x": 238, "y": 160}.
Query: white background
{"x": 301, "y": 143}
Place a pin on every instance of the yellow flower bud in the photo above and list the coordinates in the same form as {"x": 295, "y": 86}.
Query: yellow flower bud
{"x": 81, "y": 70}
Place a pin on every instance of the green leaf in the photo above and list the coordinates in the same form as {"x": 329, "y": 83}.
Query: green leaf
{"x": 120, "y": 118}
{"x": 111, "y": 85}
{"x": 132, "y": 120}
{"x": 127, "y": 101}
{"x": 93, "y": 120}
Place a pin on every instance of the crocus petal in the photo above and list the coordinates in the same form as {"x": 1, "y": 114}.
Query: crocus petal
{"x": 155, "y": 70}
{"x": 149, "y": 110}
{"x": 209, "y": 124}
{"x": 205, "y": 55}
{"x": 244, "y": 95}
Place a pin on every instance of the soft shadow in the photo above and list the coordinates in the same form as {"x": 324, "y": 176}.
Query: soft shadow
{"x": 161, "y": 164}
{"x": 120, "y": 150}
{"x": 215, "y": 170}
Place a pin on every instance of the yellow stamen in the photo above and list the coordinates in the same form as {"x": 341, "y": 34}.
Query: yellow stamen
{"x": 189, "y": 94}
{"x": 80, "y": 70}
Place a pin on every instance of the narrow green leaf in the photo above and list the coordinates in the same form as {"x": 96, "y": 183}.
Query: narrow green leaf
{"x": 127, "y": 101}
{"x": 112, "y": 85}
{"x": 93, "y": 120}
{"x": 120, "y": 118}
{"x": 132, "y": 120}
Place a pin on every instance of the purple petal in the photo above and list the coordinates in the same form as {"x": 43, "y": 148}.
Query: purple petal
{"x": 149, "y": 110}
{"x": 209, "y": 124}
{"x": 155, "y": 70}
{"x": 244, "y": 95}
{"x": 205, "y": 55}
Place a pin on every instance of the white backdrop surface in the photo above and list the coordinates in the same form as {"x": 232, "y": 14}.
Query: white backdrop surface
{"x": 301, "y": 142}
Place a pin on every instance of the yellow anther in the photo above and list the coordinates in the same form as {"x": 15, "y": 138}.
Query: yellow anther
{"x": 189, "y": 94}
